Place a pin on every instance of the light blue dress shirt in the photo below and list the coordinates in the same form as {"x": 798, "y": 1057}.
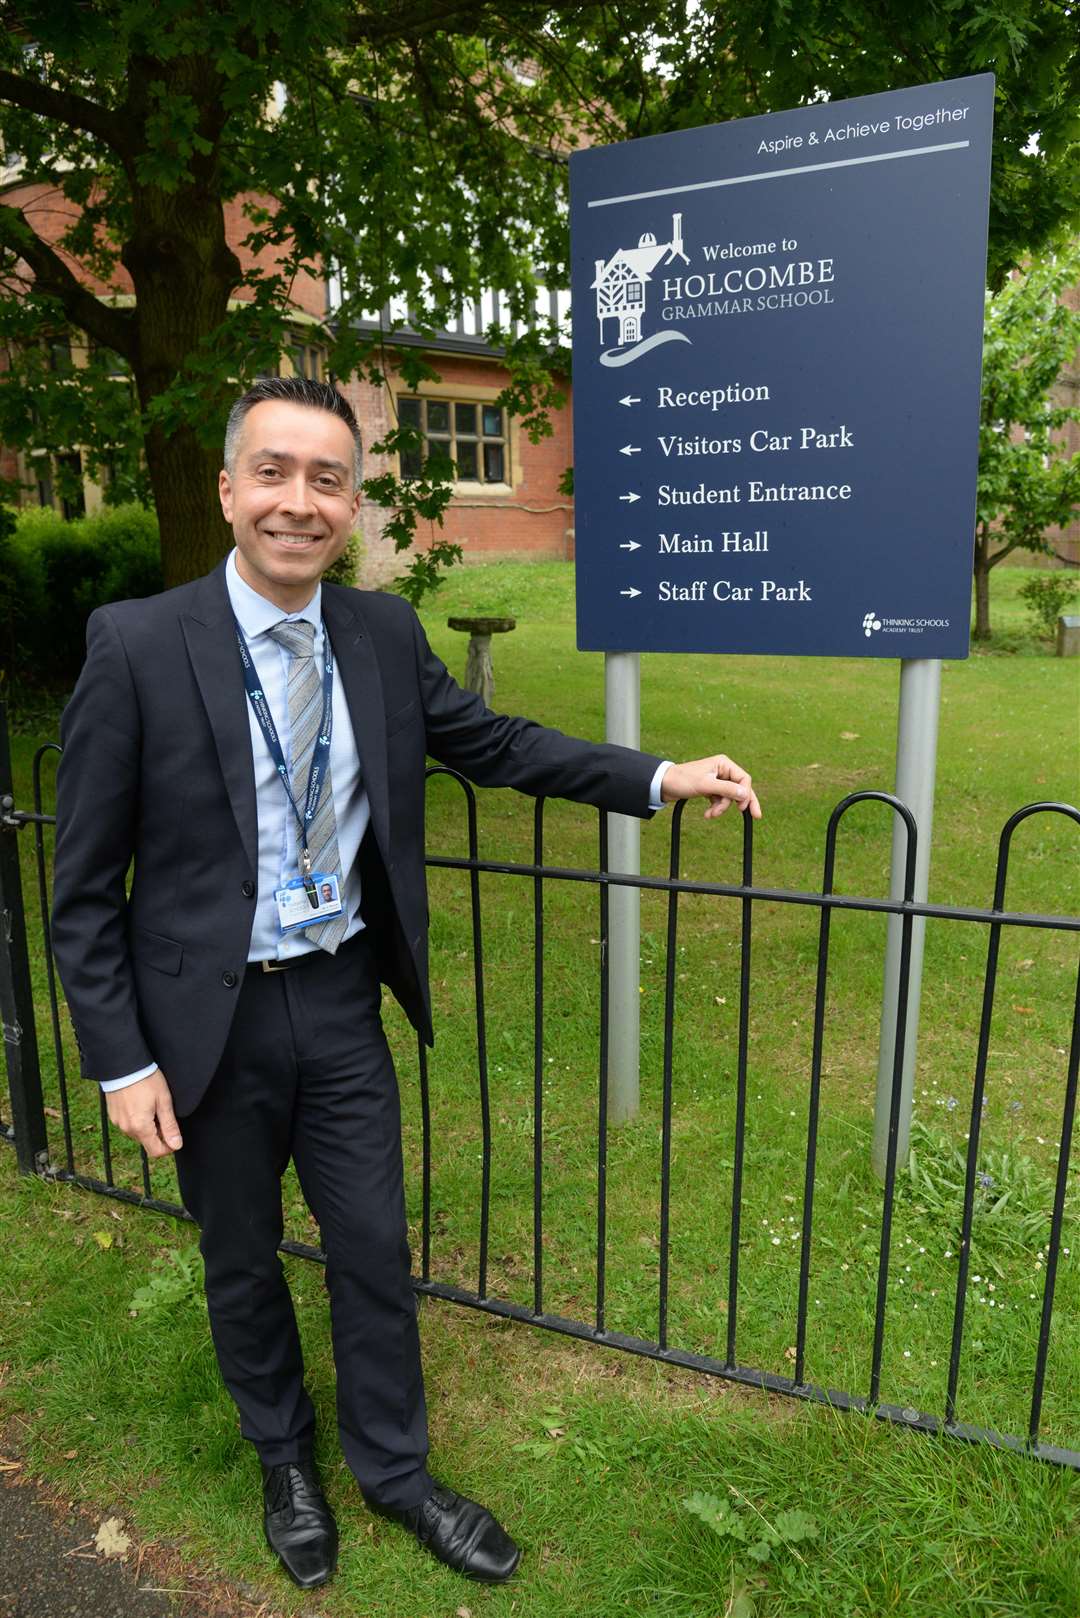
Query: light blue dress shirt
{"x": 277, "y": 822}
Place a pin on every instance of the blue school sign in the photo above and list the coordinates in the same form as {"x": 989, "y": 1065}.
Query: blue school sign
{"x": 777, "y": 349}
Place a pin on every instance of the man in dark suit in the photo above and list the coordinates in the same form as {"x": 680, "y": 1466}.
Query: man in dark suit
{"x": 246, "y": 741}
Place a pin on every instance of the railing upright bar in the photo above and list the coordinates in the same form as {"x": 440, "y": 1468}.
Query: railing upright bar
{"x": 602, "y": 1109}
{"x": 106, "y": 1142}
{"x": 812, "y": 1137}
{"x": 538, "y": 1062}
{"x": 40, "y": 823}
{"x": 669, "y": 1043}
{"x": 740, "y": 1090}
{"x": 16, "y": 985}
{"x": 902, "y": 995}
{"x": 1056, "y": 1220}
{"x": 425, "y": 1159}
{"x": 968, "y": 1211}
{"x": 481, "y": 1048}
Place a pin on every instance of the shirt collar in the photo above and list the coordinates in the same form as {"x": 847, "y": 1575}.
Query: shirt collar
{"x": 254, "y": 613}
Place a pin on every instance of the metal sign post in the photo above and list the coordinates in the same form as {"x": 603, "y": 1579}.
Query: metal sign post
{"x": 622, "y": 695}
{"x": 916, "y": 768}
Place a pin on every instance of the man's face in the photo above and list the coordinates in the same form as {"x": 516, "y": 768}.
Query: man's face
{"x": 290, "y": 499}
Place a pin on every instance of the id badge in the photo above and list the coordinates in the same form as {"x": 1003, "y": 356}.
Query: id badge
{"x": 301, "y": 905}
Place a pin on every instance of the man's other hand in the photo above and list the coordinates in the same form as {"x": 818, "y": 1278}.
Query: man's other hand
{"x": 144, "y": 1110}
{"x": 719, "y": 779}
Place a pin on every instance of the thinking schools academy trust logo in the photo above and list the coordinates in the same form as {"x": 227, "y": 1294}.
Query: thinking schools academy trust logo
{"x": 621, "y": 287}
{"x": 900, "y": 626}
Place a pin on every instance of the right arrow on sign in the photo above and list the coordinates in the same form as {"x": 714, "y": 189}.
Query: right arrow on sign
{"x": 629, "y": 592}
{"x": 630, "y": 498}
{"x": 630, "y": 545}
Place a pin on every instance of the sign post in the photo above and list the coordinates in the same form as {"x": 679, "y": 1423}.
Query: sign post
{"x": 622, "y": 708}
{"x": 777, "y": 354}
{"x": 916, "y": 770}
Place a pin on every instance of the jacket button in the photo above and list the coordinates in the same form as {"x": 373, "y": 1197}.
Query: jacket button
{"x": 229, "y": 979}
{"x": 248, "y": 889}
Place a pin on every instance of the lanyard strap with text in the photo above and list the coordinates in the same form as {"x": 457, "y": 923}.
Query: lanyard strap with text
{"x": 320, "y": 758}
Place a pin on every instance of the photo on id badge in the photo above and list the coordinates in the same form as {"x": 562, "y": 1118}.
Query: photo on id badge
{"x": 303, "y": 903}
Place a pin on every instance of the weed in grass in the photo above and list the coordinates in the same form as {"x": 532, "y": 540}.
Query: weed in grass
{"x": 176, "y": 1278}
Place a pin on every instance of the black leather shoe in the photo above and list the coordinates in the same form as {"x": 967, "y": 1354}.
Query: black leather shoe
{"x": 460, "y": 1533}
{"x": 299, "y": 1524}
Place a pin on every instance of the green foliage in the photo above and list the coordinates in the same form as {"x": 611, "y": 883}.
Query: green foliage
{"x": 1028, "y": 484}
{"x": 761, "y": 1538}
{"x": 1047, "y": 596}
{"x": 387, "y": 143}
{"x": 53, "y": 573}
{"x": 1012, "y": 1198}
{"x": 344, "y": 570}
{"x": 175, "y": 1279}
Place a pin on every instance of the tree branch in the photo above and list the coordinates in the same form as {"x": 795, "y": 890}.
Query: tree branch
{"x": 65, "y": 108}
{"x": 113, "y": 328}
{"x": 405, "y": 22}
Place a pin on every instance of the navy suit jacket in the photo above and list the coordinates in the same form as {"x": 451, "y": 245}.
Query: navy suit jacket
{"x": 157, "y": 772}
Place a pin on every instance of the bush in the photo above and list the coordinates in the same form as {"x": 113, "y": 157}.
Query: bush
{"x": 1047, "y": 595}
{"x": 345, "y": 569}
{"x": 54, "y": 573}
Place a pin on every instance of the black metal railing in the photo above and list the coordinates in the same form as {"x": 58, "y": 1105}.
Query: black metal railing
{"x": 28, "y": 1128}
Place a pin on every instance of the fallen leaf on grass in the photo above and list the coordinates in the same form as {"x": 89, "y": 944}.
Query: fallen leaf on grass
{"x": 103, "y": 1238}
{"x": 1025, "y": 966}
{"x": 71, "y": 1455}
{"x": 849, "y": 735}
{"x": 51, "y": 1112}
{"x": 1025, "y": 1011}
{"x": 9, "y": 1466}
{"x": 111, "y": 1539}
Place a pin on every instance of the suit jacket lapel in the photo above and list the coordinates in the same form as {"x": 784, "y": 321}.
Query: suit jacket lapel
{"x": 359, "y": 672}
{"x": 210, "y": 634}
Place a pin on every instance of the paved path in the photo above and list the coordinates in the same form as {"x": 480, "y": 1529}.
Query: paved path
{"x": 50, "y": 1569}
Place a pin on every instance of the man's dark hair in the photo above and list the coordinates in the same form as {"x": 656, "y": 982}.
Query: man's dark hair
{"x": 293, "y": 390}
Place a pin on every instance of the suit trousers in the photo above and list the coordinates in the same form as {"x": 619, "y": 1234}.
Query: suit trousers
{"x": 307, "y": 1074}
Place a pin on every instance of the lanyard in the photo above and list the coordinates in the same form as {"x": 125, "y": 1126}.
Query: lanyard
{"x": 320, "y": 758}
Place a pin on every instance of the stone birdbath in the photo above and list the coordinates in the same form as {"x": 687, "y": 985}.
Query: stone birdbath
{"x": 479, "y": 675}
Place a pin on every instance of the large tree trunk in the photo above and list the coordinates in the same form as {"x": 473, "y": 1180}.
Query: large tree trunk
{"x": 982, "y": 587}
{"x": 183, "y": 271}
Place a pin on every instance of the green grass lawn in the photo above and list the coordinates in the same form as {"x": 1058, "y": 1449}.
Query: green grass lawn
{"x": 588, "y": 1453}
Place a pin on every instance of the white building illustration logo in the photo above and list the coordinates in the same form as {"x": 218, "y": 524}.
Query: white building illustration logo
{"x": 621, "y": 294}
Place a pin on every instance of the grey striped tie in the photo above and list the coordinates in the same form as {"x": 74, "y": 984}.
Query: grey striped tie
{"x": 305, "y": 714}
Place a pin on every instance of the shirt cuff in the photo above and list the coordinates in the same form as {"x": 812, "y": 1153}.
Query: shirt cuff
{"x": 655, "y": 800}
{"x": 129, "y": 1078}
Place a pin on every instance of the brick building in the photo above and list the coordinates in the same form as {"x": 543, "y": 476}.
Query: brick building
{"x": 507, "y": 500}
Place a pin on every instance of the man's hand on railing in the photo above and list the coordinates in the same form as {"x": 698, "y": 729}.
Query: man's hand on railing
{"x": 718, "y": 778}
{"x": 144, "y": 1110}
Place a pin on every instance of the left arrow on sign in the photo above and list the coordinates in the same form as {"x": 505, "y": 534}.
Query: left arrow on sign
{"x": 630, "y": 449}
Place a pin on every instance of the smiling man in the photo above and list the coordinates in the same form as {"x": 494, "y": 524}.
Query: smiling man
{"x": 254, "y": 744}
